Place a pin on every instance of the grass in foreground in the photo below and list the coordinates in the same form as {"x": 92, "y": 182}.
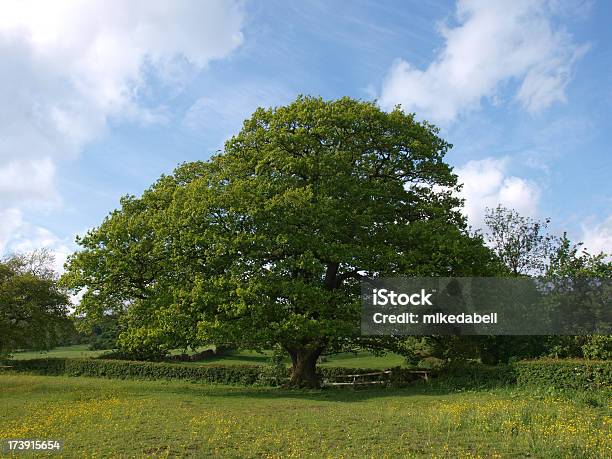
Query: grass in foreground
{"x": 99, "y": 417}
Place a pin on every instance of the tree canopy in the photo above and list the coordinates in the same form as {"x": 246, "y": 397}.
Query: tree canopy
{"x": 33, "y": 309}
{"x": 264, "y": 244}
{"x": 521, "y": 243}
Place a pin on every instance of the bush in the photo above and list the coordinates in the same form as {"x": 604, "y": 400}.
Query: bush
{"x": 221, "y": 374}
{"x": 556, "y": 373}
{"x": 564, "y": 374}
{"x": 230, "y": 374}
{"x": 560, "y": 374}
{"x": 475, "y": 375}
{"x": 598, "y": 347}
{"x": 54, "y": 367}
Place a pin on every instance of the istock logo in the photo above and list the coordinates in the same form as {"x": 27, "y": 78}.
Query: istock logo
{"x": 383, "y": 297}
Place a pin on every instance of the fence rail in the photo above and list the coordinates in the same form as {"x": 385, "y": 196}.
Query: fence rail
{"x": 384, "y": 378}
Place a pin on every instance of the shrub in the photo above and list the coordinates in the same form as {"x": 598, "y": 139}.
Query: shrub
{"x": 52, "y": 367}
{"x": 125, "y": 369}
{"x": 560, "y": 374}
{"x": 475, "y": 375}
{"x": 598, "y": 347}
{"x": 556, "y": 373}
{"x": 230, "y": 374}
{"x": 564, "y": 374}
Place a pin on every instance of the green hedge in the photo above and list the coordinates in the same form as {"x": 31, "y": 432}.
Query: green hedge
{"x": 122, "y": 369}
{"x": 561, "y": 374}
{"x": 228, "y": 374}
{"x": 564, "y": 374}
{"x": 476, "y": 375}
{"x": 557, "y": 373}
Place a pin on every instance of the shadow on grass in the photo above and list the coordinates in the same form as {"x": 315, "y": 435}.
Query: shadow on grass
{"x": 238, "y": 359}
{"x": 93, "y": 387}
{"x": 347, "y": 395}
{"x": 324, "y": 395}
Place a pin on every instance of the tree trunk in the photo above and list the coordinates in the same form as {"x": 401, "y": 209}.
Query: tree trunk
{"x": 304, "y": 366}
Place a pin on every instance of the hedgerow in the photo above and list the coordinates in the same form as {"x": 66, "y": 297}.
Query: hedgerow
{"x": 122, "y": 369}
{"x": 475, "y": 375}
{"x": 560, "y": 374}
{"x": 556, "y": 373}
{"x": 564, "y": 374}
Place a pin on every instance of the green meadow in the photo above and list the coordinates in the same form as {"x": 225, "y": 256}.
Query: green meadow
{"x": 128, "y": 418}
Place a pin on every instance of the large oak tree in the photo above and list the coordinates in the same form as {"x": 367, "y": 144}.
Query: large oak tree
{"x": 265, "y": 244}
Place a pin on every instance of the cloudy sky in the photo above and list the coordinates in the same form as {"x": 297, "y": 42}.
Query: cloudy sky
{"x": 98, "y": 98}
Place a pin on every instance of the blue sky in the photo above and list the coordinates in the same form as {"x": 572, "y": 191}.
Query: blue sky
{"x": 100, "y": 99}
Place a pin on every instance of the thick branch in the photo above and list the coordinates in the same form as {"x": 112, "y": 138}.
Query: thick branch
{"x": 330, "y": 275}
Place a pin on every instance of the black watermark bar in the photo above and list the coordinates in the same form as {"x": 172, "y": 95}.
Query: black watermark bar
{"x": 486, "y": 306}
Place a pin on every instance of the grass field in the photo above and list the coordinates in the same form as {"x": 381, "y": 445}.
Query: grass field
{"x": 113, "y": 418}
{"x": 76, "y": 351}
{"x": 353, "y": 360}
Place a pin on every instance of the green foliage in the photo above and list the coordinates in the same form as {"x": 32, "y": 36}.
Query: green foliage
{"x": 564, "y": 374}
{"x": 33, "y": 309}
{"x": 597, "y": 347}
{"x": 521, "y": 243}
{"x": 569, "y": 263}
{"x": 220, "y": 374}
{"x": 569, "y": 374}
{"x": 104, "y": 333}
{"x": 231, "y": 374}
{"x": 504, "y": 349}
{"x": 593, "y": 347}
{"x": 472, "y": 375}
{"x": 264, "y": 244}
{"x": 489, "y": 350}
{"x": 544, "y": 373}
{"x": 568, "y": 266}
{"x": 573, "y": 261}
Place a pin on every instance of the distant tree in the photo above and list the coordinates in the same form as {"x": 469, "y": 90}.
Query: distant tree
{"x": 38, "y": 263}
{"x": 33, "y": 309}
{"x": 265, "y": 244}
{"x": 572, "y": 265}
{"x": 568, "y": 266}
{"x": 574, "y": 261}
{"x": 104, "y": 333}
{"x": 521, "y": 243}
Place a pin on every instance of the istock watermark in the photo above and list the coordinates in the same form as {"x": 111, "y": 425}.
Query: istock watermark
{"x": 486, "y": 306}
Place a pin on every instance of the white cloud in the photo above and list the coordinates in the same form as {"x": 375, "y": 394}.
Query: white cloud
{"x": 494, "y": 42}
{"x": 486, "y": 183}
{"x": 70, "y": 66}
{"x": 25, "y": 180}
{"x": 598, "y": 237}
{"x": 10, "y": 222}
{"x": 19, "y": 236}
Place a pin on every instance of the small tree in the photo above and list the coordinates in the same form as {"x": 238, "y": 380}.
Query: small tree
{"x": 33, "y": 309}
{"x": 521, "y": 243}
{"x": 573, "y": 260}
{"x": 572, "y": 264}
